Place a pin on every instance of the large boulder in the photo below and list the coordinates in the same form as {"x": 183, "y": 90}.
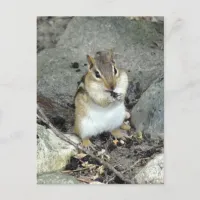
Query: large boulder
{"x": 148, "y": 114}
{"x": 153, "y": 172}
{"x": 49, "y": 30}
{"x": 136, "y": 46}
{"x": 56, "y": 178}
{"x": 52, "y": 153}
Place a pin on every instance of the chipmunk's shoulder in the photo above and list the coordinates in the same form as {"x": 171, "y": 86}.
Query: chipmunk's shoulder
{"x": 81, "y": 86}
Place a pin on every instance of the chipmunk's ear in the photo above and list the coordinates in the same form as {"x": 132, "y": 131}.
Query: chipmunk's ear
{"x": 91, "y": 62}
{"x": 111, "y": 56}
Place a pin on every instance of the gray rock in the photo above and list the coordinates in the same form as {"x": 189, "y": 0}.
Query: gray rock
{"x": 148, "y": 18}
{"x": 49, "y": 30}
{"x": 133, "y": 94}
{"x": 52, "y": 153}
{"x": 148, "y": 114}
{"x": 60, "y": 115}
{"x": 56, "y": 178}
{"x": 153, "y": 172}
{"x": 136, "y": 45}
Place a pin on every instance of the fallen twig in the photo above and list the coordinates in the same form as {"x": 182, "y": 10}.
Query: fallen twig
{"x": 84, "y": 180}
{"x": 132, "y": 166}
{"x": 111, "y": 179}
{"x": 61, "y": 136}
{"x": 76, "y": 170}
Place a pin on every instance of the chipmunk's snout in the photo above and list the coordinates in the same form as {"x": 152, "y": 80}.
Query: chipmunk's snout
{"x": 109, "y": 85}
{"x": 110, "y": 88}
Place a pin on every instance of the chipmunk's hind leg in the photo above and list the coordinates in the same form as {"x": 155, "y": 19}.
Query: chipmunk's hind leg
{"x": 86, "y": 143}
{"x": 118, "y": 133}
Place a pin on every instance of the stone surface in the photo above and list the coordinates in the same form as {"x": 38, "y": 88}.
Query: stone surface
{"x": 60, "y": 115}
{"x": 133, "y": 94}
{"x": 148, "y": 114}
{"x": 152, "y": 19}
{"x": 52, "y": 152}
{"x": 56, "y": 178}
{"x": 136, "y": 46}
{"x": 153, "y": 172}
{"x": 49, "y": 30}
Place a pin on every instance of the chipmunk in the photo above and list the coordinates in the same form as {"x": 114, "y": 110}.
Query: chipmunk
{"x": 99, "y": 100}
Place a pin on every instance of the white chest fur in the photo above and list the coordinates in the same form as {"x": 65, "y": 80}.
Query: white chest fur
{"x": 100, "y": 119}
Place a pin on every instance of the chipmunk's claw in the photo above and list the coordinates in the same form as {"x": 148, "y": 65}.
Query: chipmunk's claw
{"x": 119, "y": 97}
{"x": 119, "y": 134}
{"x": 87, "y": 144}
{"x": 125, "y": 127}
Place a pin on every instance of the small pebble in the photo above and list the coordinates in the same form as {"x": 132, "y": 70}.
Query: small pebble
{"x": 127, "y": 122}
{"x": 121, "y": 141}
{"x": 128, "y": 115}
{"x": 96, "y": 182}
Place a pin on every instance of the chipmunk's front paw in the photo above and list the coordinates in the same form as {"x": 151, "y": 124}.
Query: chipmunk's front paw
{"x": 119, "y": 96}
{"x": 128, "y": 115}
{"x": 125, "y": 127}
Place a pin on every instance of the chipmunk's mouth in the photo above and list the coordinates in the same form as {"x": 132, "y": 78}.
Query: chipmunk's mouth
{"x": 113, "y": 94}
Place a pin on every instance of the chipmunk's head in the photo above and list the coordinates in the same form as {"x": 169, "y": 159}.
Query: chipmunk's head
{"x": 102, "y": 71}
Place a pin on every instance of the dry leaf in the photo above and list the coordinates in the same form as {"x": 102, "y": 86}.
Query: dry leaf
{"x": 80, "y": 155}
{"x": 115, "y": 141}
{"x": 101, "y": 152}
{"x": 87, "y": 165}
{"x": 107, "y": 157}
{"x": 100, "y": 170}
{"x": 95, "y": 177}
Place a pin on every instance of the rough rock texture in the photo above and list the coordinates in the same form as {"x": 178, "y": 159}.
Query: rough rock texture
{"x": 153, "y": 172}
{"x": 60, "y": 115}
{"x": 52, "y": 153}
{"x": 148, "y": 114}
{"x": 136, "y": 44}
{"x": 56, "y": 178}
{"x": 152, "y": 19}
{"x": 133, "y": 94}
{"x": 49, "y": 30}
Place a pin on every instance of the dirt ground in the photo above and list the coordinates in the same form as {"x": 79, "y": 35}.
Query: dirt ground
{"x": 127, "y": 156}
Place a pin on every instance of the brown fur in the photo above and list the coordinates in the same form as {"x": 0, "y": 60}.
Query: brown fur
{"x": 104, "y": 62}
{"x": 90, "y": 88}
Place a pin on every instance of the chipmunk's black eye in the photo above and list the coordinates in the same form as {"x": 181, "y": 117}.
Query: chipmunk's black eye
{"x": 97, "y": 74}
{"x": 115, "y": 70}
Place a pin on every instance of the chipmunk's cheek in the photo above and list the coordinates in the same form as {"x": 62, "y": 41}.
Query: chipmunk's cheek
{"x": 97, "y": 87}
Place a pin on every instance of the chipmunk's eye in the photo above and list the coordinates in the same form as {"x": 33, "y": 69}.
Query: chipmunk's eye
{"x": 115, "y": 70}
{"x": 97, "y": 74}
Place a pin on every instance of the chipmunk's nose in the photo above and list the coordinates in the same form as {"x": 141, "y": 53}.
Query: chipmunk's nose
{"x": 112, "y": 87}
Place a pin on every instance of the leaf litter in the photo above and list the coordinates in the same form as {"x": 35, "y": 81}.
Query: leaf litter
{"x": 127, "y": 156}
